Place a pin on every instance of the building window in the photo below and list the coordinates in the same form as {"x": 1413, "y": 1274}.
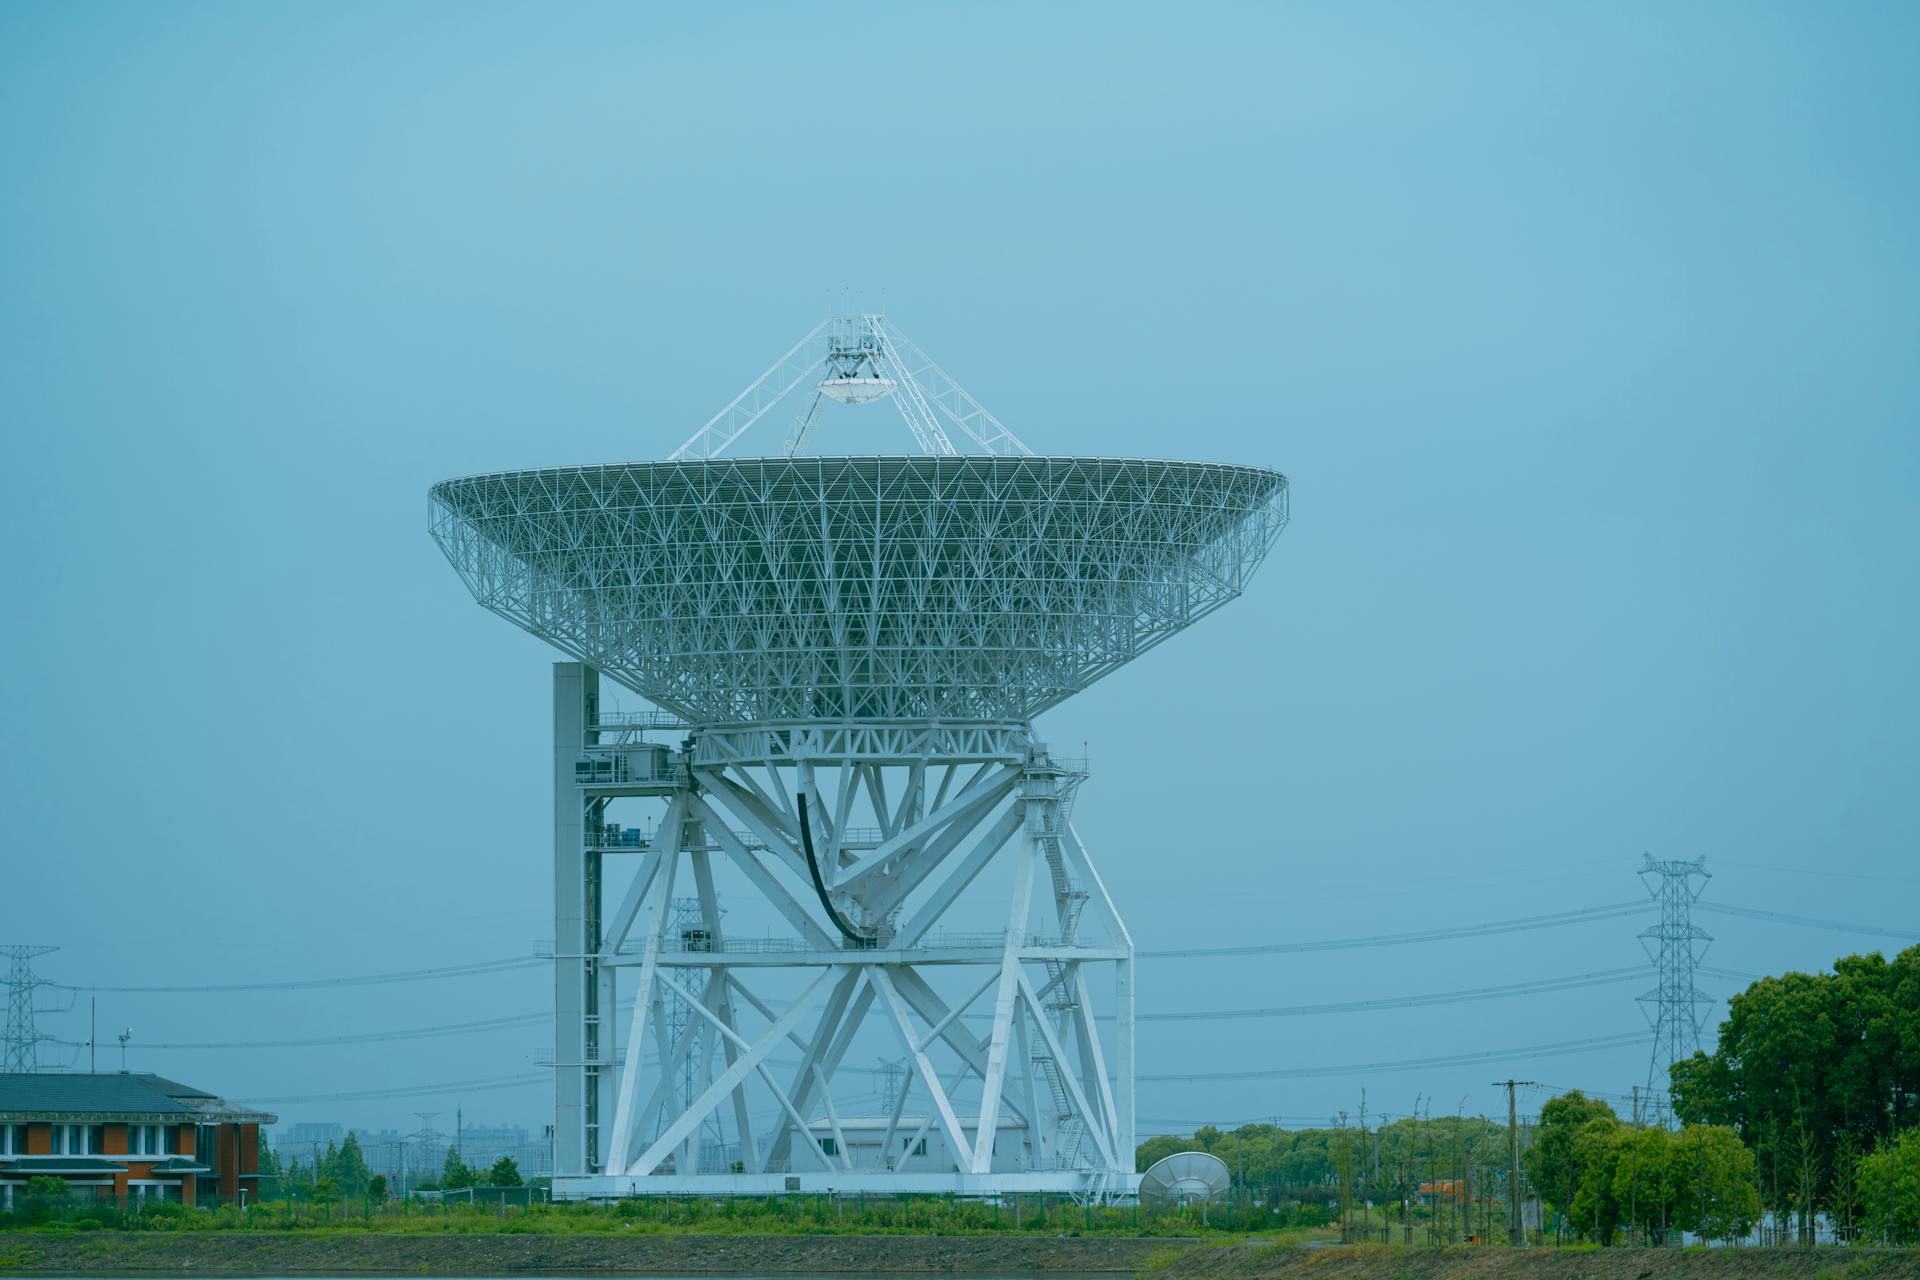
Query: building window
{"x": 206, "y": 1146}
{"x": 829, "y": 1147}
{"x": 151, "y": 1140}
{"x": 76, "y": 1139}
{"x": 13, "y": 1139}
{"x": 916, "y": 1148}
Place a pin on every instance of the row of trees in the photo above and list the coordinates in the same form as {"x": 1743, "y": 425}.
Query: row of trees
{"x": 1605, "y": 1178}
{"x": 342, "y": 1173}
{"x": 1442, "y": 1177}
{"x": 1819, "y": 1074}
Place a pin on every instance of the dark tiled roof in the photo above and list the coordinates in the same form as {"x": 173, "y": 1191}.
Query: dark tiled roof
{"x": 171, "y": 1088}
{"x": 49, "y": 1094}
{"x": 54, "y": 1091}
{"x": 60, "y": 1164}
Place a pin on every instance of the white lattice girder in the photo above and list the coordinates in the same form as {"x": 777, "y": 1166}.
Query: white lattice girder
{"x": 876, "y": 587}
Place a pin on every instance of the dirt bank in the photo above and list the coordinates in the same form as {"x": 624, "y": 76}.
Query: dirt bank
{"x": 1377, "y": 1262}
{"x": 266, "y": 1253}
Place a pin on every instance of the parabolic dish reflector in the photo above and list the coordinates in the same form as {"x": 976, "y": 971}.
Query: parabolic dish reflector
{"x": 965, "y": 587}
{"x": 1185, "y": 1177}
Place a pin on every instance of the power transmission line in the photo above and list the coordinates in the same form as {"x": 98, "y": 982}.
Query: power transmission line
{"x": 1538, "y": 1087}
{"x": 1823, "y": 873}
{"x": 1539, "y": 987}
{"x": 1552, "y": 920}
{"x": 372, "y": 979}
{"x": 1407, "y": 1064}
{"x": 1738, "y": 975}
{"x": 1838, "y": 926}
{"x": 369, "y": 1037}
{"x": 1492, "y": 927}
{"x": 1316, "y": 1122}
{"x": 415, "y": 1091}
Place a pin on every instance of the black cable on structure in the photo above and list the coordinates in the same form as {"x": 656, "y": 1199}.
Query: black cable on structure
{"x": 820, "y": 884}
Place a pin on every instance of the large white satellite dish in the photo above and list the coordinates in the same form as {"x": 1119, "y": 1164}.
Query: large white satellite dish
{"x": 1185, "y": 1177}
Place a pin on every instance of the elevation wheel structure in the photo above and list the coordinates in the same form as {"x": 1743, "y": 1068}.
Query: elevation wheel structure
{"x": 861, "y": 844}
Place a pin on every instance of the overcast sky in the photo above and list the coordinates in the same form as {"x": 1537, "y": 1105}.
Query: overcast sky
{"x": 1586, "y": 334}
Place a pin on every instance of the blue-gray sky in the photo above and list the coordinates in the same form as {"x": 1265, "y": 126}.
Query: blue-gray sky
{"x": 1585, "y": 332}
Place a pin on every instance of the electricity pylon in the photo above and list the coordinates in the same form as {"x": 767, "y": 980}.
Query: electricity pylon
{"x": 1675, "y": 945}
{"x": 23, "y": 1036}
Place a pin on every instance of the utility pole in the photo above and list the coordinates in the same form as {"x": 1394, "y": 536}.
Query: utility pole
{"x": 1433, "y": 1162}
{"x": 1633, "y": 1176}
{"x": 23, "y": 1036}
{"x": 1459, "y": 1183}
{"x": 1516, "y": 1222}
{"x": 1410, "y": 1176}
{"x": 1366, "y": 1225}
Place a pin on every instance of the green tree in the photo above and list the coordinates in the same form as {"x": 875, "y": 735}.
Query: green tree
{"x": 1715, "y": 1182}
{"x": 377, "y": 1188}
{"x": 504, "y": 1173}
{"x": 1843, "y": 1198}
{"x": 1803, "y": 1059}
{"x": 348, "y": 1167}
{"x": 1550, "y": 1162}
{"x": 270, "y": 1178}
{"x": 454, "y": 1173}
{"x": 1595, "y": 1211}
{"x": 293, "y": 1179}
{"x": 1890, "y": 1189}
{"x": 1642, "y": 1180}
{"x": 47, "y": 1191}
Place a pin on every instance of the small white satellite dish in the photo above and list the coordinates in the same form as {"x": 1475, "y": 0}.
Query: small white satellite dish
{"x": 1185, "y": 1177}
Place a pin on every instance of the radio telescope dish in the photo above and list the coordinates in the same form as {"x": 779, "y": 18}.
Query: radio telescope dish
{"x": 1185, "y": 1177}
{"x": 847, "y": 653}
{"x": 917, "y": 586}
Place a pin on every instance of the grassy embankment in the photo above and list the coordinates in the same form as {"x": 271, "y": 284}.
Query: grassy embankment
{"x": 787, "y": 1215}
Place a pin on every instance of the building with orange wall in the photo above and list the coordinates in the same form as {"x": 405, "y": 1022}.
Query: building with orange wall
{"x": 126, "y": 1137}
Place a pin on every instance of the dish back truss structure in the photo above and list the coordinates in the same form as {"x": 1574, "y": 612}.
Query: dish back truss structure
{"x": 847, "y": 654}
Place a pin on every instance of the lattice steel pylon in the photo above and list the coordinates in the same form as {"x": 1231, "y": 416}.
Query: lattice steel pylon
{"x": 1675, "y": 945}
{"x": 23, "y": 1033}
{"x": 848, "y": 653}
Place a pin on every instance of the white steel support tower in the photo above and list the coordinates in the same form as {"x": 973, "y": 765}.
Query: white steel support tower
{"x": 847, "y": 654}
{"x": 1676, "y": 945}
